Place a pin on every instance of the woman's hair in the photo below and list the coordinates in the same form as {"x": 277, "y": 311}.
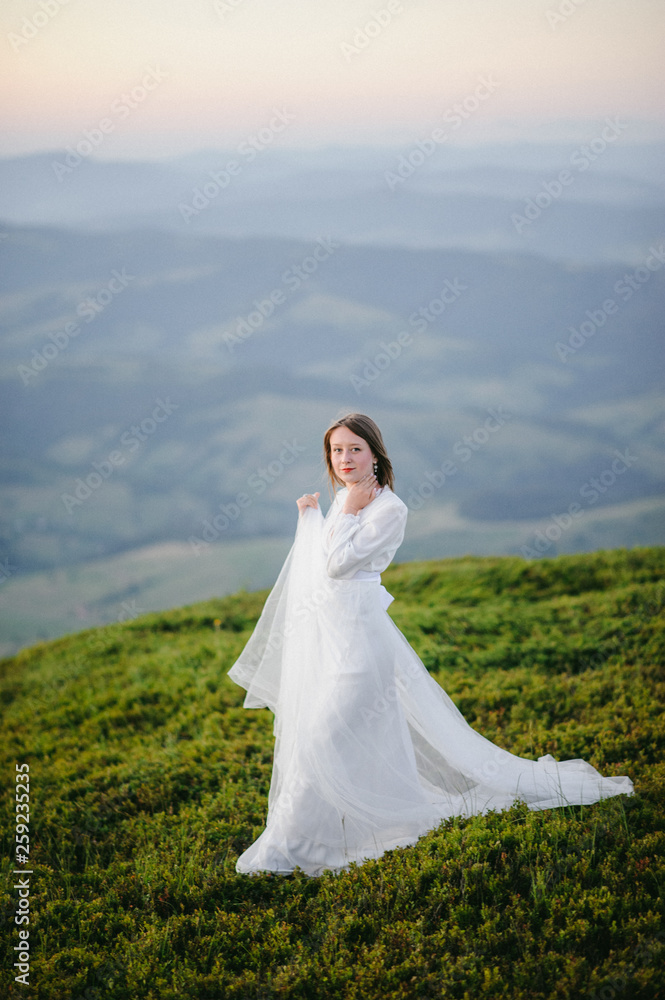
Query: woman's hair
{"x": 365, "y": 428}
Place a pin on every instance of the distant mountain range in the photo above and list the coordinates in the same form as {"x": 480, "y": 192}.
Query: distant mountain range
{"x": 611, "y": 207}
{"x": 165, "y": 385}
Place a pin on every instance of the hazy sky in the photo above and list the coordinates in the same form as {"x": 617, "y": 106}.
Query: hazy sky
{"x": 210, "y": 72}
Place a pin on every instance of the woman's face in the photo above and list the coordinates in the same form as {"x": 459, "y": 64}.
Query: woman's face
{"x": 350, "y": 455}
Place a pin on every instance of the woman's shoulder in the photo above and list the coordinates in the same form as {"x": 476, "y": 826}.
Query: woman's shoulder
{"x": 385, "y": 498}
{"x": 388, "y": 497}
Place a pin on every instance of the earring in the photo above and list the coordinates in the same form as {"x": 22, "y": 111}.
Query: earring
{"x": 376, "y": 468}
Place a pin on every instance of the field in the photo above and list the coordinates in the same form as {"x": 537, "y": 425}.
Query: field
{"x": 147, "y": 779}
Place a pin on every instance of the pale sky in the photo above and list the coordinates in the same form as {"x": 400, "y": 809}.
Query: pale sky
{"x": 210, "y": 73}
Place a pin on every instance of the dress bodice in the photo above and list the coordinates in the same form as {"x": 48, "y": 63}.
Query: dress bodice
{"x": 360, "y": 546}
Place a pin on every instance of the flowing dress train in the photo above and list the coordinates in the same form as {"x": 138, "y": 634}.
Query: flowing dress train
{"x": 370, "y": 752}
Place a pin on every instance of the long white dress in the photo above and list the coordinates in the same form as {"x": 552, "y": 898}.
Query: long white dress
{"x": 370, "y": 752}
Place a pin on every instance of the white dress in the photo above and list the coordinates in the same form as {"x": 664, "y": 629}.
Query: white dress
{"x": 370, "y": 752}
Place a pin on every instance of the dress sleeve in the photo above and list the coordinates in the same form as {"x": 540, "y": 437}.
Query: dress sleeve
{"x": 355, "y": 540}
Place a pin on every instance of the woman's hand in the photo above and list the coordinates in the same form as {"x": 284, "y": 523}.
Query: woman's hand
{"x": 361, "y": 494}
{"x": 307, "y": 500}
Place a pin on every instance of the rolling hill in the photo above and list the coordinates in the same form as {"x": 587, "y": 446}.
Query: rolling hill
{"x": 147, "y": 779}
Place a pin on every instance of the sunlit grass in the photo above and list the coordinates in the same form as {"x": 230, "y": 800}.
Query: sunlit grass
{"x": 148, "y": 779}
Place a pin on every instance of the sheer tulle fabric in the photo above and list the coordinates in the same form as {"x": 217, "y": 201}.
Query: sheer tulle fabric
{"x": 370, "y": 752}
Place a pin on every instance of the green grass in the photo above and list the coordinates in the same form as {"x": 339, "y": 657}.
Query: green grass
{"x": 148, "y": 779}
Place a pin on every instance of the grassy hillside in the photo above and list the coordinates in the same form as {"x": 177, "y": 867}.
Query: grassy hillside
{"x": 147, "y": 779}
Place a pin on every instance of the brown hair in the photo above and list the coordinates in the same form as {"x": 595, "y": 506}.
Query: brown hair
{"x": 365, "y": 428}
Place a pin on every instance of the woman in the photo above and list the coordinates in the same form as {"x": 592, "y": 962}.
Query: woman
{"x": 370, "y": 753}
